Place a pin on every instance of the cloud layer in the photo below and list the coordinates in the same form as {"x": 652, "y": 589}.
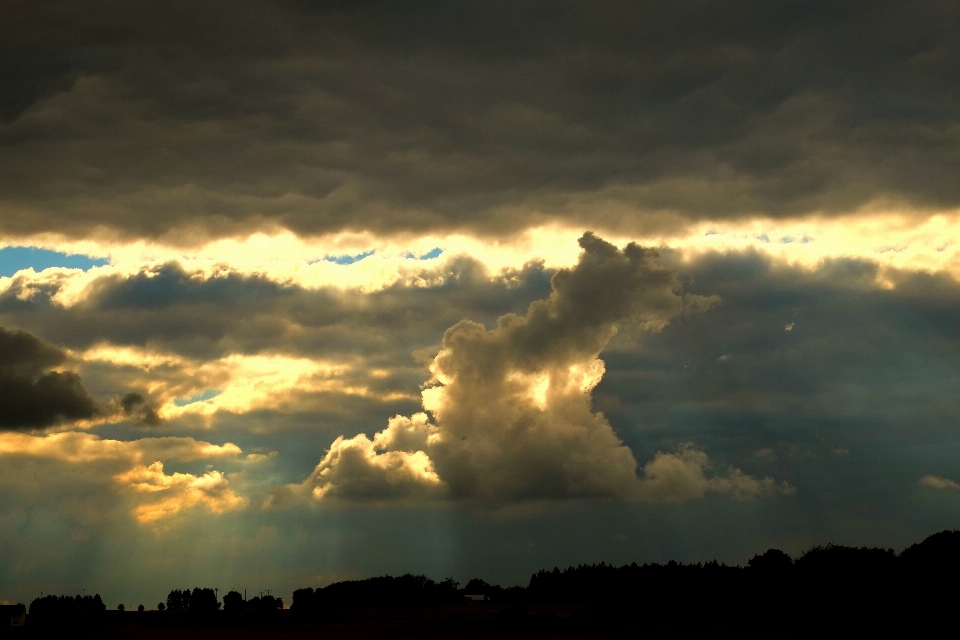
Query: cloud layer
{"x": 187, "y": 123}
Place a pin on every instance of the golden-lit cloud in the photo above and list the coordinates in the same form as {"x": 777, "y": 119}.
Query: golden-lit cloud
{"x": 91, "y": 473}
{"x": 170, "y": 494}
{"x": 82, "y": 447}
{"x": 239, "y": 383}
{"x": 901, "y": 239}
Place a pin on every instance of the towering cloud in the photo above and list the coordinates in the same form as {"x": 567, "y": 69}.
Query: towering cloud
{"x": 32, "y": 396}
{"x": 511, "y": 407}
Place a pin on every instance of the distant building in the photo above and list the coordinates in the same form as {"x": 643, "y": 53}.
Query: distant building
{"x": 13, "y": 615}
{"x": 476, "y": 598}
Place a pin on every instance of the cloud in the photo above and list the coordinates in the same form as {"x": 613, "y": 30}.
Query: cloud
{"x": 86, "y": 477}
{"x": 170, "y": 494}
{"x": 216, "y": 311}
{"x": 511, "y": 406}
{"x": 32, "y": 396}
{"x": 167, "y": 334}
{"x": 681, "y": 476}
{"x": 135, "y": 405}
{"x": 359, "y": 469}
{"x": 193, "y": 123}
{"x": 938, "y": 483}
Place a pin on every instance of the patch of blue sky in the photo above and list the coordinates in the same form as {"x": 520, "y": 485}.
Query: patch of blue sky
{"x": 763, "y": 237}
{"x": 13, "y": 259}
{"x": 346, "y": 259}
{"x": 350, "y": 259}
{"x": 429, "y": 255}
{"x": 433, "y": 253}
{"x": 200, "y": 397}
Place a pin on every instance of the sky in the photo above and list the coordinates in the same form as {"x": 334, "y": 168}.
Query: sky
{"x": 297, "y": 292}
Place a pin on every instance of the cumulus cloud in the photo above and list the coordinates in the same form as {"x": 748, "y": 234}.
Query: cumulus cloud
{"x": 939, "y": 483}
{"x": 88, "y": 476}
{"x": 170, "y": 494}
{"x": 511, "y": 406}
{"x": 31, "y": 395}
{"x": 682, "y": 475}
{"x": 392, "y": 465}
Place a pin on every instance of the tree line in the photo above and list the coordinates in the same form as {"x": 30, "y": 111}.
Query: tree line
{"x": 66, "y": 605}
{"x": 827, "y": 589}
{"x": 384, "y": 591}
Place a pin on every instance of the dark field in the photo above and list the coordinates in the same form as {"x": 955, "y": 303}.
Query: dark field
{"x": 481, "y": 620}
{"x": 476, "y": 620}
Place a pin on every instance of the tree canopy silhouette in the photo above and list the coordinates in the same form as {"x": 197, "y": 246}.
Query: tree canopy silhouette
{"x": 195, "y": 601}
{"x": 382, "y": 591}
{"x": 51, "y": 605}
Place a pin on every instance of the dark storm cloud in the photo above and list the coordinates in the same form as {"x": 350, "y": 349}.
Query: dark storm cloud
{"x": 393, "y": 116}
{"x": 842, "y": 387}
{"x": 135, "y": 405}
{"x": 31, "y": 396}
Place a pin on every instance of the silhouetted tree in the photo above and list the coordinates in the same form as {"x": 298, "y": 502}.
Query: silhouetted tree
{"x": 844, "y": 589}
{"x": 772, "y": 561}
{"x": 203, "y": 601}
{"x": 937, "y": 554}
{"x": 266, "y": 604}
{"x": 478, "y": 586}
{"x": 928, "y": 573}
{"x": 178, "y": 600}
{"x": 120, "y": 607}
{"x": 140, "y": 607}
{"x": 233, "y": 602}
{"x": 161, "y": 606}
{"x": 303, "y": 600}
{"x": 770, "y": 588}
{"x": 196, "y": 600}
